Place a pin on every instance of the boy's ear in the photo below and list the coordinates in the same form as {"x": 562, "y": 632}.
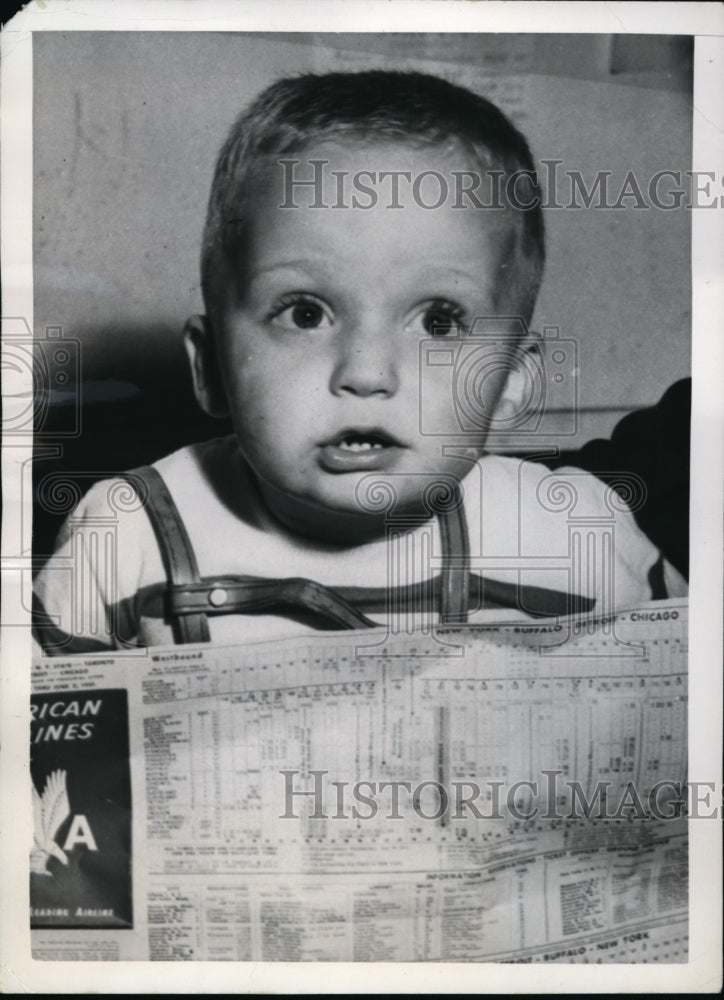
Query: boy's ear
{"x": 201, "y": 351}
{"x": 517, "y": 389}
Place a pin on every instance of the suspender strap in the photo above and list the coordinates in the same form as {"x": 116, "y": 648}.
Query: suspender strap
{"x": 657, "y": 580}
{"x": 189, "y": 599}
{"x": 226, "y": 595}
{"x": 348, "y": 607}
{"x": 455, "y": 564}
{"x": 177, "y": 553}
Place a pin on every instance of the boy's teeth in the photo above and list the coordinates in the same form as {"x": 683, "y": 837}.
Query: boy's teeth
{"x": 359, "y": 445}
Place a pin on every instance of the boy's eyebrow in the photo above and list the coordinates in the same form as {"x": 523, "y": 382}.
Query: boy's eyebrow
{"x": 299, "y": 263}
{"x": 302, "y": 263}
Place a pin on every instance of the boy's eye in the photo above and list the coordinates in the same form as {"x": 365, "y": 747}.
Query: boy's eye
{"x": 304, "y": 314}
{"x": 442, "y": 319}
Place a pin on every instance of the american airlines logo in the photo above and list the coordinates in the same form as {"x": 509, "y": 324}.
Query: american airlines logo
{"x": 51, "y": 809}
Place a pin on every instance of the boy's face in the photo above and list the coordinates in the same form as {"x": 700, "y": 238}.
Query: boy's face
{"x": 318, "y": 333}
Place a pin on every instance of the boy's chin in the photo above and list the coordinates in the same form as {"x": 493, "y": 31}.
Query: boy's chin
{"x": 377, "y": 504}
{"x": 357, "y": 513}
{"x": 333, "y": 523}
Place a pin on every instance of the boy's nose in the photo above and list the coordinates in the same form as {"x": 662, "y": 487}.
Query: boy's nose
{"x": 366, "y": 364}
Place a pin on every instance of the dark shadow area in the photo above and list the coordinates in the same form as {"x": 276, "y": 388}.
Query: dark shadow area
{"x": 653, "y": 444}
{"x": 137, "y": 407}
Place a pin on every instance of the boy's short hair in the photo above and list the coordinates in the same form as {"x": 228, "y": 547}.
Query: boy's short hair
{"x": 296, "y": 112}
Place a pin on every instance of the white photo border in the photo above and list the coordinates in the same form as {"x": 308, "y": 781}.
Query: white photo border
{"x": 18, "y": 972}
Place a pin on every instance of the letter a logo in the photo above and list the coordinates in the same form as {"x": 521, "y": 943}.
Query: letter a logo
{"x": 80, "y": 833}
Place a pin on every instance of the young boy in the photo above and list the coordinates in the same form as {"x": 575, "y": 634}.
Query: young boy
{"x": 366, "y": 235}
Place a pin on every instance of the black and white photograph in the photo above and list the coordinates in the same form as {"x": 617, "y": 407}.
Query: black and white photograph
{"x": 362, "y": 479}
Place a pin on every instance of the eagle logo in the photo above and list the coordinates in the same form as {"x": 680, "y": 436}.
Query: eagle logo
{"x": 50, "y": 810}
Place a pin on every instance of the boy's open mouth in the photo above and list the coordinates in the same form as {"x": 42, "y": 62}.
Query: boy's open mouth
{"x": 358, "y": 448}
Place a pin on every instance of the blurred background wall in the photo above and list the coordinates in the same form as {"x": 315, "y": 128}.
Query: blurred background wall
{"x": 127, "y": 127}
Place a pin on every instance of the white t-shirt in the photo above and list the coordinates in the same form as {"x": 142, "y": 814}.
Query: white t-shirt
{"x": 564, "y": 531}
